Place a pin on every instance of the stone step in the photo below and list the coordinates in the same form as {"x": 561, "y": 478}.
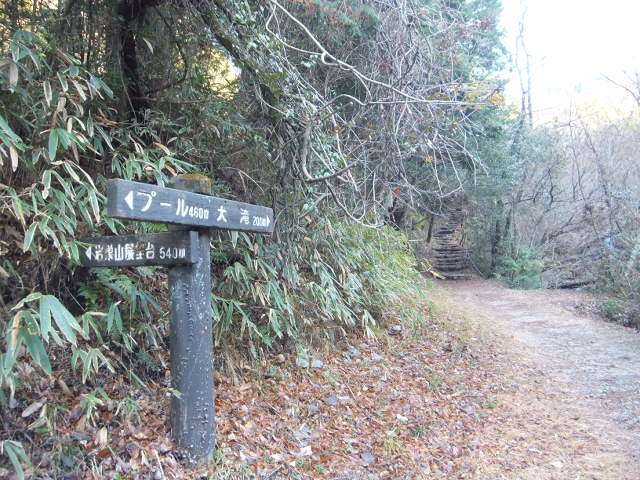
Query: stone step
{"x": 449, "y": 269}
{"x": 457, "y": 276}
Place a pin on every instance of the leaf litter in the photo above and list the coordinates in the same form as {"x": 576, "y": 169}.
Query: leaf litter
{"x": 442, "y": 399}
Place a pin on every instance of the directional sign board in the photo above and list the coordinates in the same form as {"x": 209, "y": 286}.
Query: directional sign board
{"x": 150, "y": 203}
{"x": 169, "y": 248}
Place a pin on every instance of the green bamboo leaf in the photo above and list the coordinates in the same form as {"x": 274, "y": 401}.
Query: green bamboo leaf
{"x": 7, "y": 130}
{"x": 36, "y": 349}
{"x": 48, "y": 95}
{"x": 29, "y": 298}
{"x": 94, "y": 204}
{"x": 46, "y": 181}
{"x": 53, "y": 144}
{"x": 113, "y": 318}
{"x": 64, "y": 137}
{"x": 74, "y": 252}
{"x": 15, "y": 452}
{"x": 68, "y": 166}
{"x": 86, "y": 366}
{"x": 28, "y": 237}
{"x": 63, "y": 318}
{"x": 13, "y": 74}
{"x": 45, "y": 317}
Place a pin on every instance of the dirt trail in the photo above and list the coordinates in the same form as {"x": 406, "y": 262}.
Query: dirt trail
{"x": 583, "y": 372}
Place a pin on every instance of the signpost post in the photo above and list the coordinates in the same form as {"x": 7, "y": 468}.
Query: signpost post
{"x": 191, "y": 212}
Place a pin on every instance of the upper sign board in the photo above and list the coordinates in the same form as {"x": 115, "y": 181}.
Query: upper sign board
{"x": 167, "y": 248}
{"x": 150, "y": 203}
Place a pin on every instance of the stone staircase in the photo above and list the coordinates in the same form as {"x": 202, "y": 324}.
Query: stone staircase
{"x": 450, "y": 258}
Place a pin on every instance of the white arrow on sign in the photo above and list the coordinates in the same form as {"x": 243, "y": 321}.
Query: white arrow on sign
{"x": 88, "y": 253}
{"x": 129, "y": 199}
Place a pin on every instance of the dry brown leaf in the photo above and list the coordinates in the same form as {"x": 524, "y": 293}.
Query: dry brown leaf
{"x": 31, "y": 409}
{"x": 102, "y": 437}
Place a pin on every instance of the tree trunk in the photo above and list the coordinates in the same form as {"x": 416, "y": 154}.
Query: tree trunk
{"x": 131, "y": 14}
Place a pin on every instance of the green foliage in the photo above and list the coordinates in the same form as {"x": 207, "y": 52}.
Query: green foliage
{"x": 92, "y": 401}
{"x": 17, "y": 456}
{"x": 91, "y": 360}
{"x": 521, "y": 269}
{"x": 348, "y": 21}
{"x": 343, "y": 277}
{"x": 130, "y": 408}
{"x": 612, "y": 308}
{"x": 624, "y": 311}
{"x": 57, "y": 146}
{"x": 63, "y": 142}
{"x": 392, "y": 443}
{"x": 32, "y": 327}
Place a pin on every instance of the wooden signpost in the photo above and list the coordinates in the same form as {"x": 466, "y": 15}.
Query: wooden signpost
{"x": 139, "y": 201}
{"x": 191, "y": 212}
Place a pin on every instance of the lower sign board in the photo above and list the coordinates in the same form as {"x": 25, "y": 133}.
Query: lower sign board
{"x": 168, "y": 248}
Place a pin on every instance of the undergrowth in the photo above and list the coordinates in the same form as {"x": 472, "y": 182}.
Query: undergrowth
{"x": 100, "y": 336}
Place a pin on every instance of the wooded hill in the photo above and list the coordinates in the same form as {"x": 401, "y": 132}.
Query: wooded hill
{"x": 358, "y": 122}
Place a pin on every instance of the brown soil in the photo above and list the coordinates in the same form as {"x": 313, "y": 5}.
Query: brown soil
{"x": 573, "y": 411}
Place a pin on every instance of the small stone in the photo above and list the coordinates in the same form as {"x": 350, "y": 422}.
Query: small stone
{"x": 367, "y": 458}
{"x": 302, "y": 363}
{"x": 558, "y": 465}
{"x": 164, "y": 448}
{"x": 317, "y": 364}
{"x": 67, "y": 462}
{"x": 353, "y": 351}
{"x": 396, "y": 330}
{"x": 158, "y": 475}
{"x": 273, "y": 372}
{"x": 80, "y": 437}
{"x": 402, "y": 418}
{"x": 332, "y": 400}
{"x": 301, "y": 435}
{"x": 313, "y": 408}
{"x": 132, "y": 447}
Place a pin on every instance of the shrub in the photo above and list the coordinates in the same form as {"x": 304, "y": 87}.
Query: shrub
{"x": 521, "y": 269}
